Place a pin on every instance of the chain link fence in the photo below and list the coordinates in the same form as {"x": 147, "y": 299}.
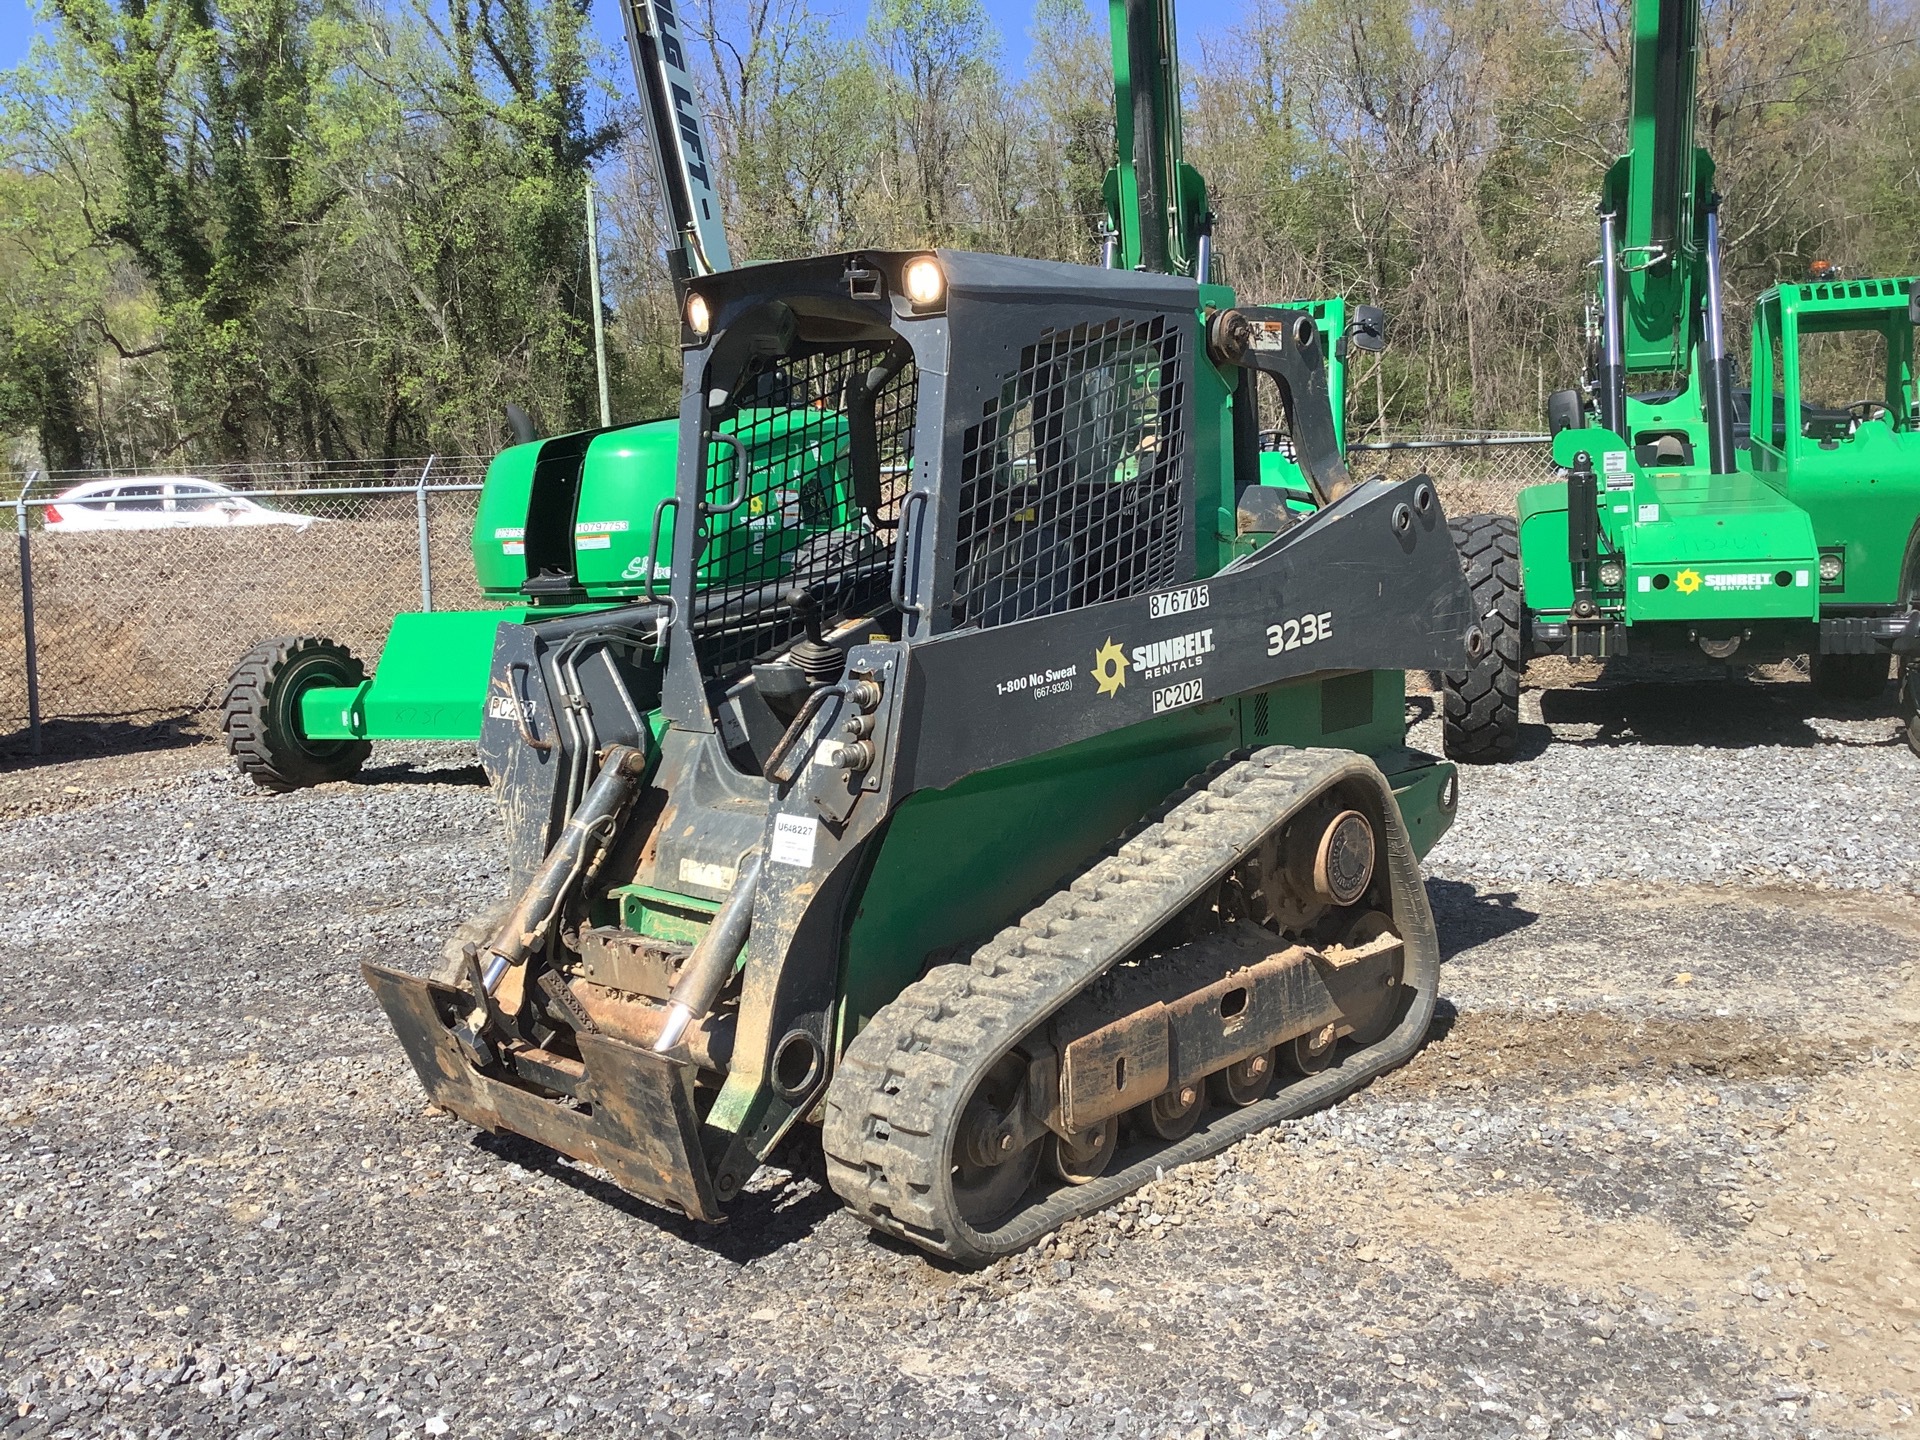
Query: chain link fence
{"x": 1475, "y": 474}
{"x": 128, "y": 597}
{"x": 135, "y": 627}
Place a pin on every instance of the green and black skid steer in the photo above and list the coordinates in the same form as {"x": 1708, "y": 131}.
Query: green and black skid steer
{"x": 1026, "y": 802}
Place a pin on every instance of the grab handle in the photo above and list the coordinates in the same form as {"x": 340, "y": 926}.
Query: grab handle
{"x": 902, "y": 542}
{"x": 739, "y": 476}
{"x": 653, "y": 543}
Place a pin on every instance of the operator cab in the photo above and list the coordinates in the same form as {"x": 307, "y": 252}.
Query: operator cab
{"x": 1834, "y": 368}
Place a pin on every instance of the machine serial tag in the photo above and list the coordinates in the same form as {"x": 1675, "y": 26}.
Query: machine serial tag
{"x": 793, "y": 837}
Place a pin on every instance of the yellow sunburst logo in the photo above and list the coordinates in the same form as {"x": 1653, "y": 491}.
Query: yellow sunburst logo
{"x": 1109, "y": 668}
{"x": 1687, "y": 581}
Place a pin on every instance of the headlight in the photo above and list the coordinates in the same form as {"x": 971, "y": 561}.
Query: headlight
{"x": 699, "y": 316}
{"x": 1830, "y": 569}
{"x": 1612, "y": 574}
{"x": 926, "y": 284}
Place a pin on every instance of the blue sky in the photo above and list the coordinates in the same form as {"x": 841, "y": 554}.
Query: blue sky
{"x": 1012, "y": 18}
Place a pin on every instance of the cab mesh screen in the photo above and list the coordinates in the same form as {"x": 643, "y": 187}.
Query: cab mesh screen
{"x": 1070, "y": 485}
{"x": 805, "y": 472}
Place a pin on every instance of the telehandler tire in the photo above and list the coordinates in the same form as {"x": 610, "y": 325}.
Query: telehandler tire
{"x": 1480, "y": 719}
{"x": 1849, "y": 677}
{"x": 261, "y": 713}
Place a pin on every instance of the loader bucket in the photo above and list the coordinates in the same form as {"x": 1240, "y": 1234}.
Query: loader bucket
{"x": 631, "y": 1112}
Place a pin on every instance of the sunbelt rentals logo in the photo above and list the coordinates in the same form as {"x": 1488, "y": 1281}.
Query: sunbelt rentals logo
{"x": 1156, "y": 658}
{"x": 1109, "y": 667}
{"x": 1687, "y": 581}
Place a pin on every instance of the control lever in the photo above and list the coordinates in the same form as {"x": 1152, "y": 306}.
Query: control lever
{"x": 820, "y": 662}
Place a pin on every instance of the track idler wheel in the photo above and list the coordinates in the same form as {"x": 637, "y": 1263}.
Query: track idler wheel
{"x": 992, "y": 1167}
{"x": 261, "y": 713}
{"x": 1372, "y": 1004}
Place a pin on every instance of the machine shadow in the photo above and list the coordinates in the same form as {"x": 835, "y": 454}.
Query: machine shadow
{"x": 1467, "y": 917}
{"x": 1727, "y": 714}
{"x": 759, "y": 1222}
{"x": 403, "y": 773}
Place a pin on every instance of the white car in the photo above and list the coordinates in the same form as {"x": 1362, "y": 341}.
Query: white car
{"x": 160, "y": 502}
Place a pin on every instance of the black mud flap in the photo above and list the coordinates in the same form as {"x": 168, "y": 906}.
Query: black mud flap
{"x": 634, "y": 1117}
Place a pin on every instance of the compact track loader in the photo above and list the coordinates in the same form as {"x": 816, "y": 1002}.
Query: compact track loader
{"x": 1041, "y": 818}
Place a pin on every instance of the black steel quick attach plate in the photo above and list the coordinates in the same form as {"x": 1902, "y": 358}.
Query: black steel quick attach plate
{"x": 638, "y": 1121}
{"x": 1372, "y": 582}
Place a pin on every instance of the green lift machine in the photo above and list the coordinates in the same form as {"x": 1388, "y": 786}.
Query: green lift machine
{"x": 1027, "y": 805}
{"x": 564, "y": 522}
{"x": 1707, "y": 521}
{"x": 561, "y": 527}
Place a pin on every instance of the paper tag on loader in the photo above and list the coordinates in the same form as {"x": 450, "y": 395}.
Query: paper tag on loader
{"x": 793, "y": 837}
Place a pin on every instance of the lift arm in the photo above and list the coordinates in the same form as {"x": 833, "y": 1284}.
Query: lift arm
{"x": 1156, "y": 203}
{"x": 682, "y": 153}
{"x": 1660, "y": 261}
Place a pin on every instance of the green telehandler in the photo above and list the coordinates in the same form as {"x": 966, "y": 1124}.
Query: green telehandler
{"x": 558, "y": 531}
{"x": 562, "y": 520}
{"x": 1045, "y": 818}
{"x": 1670, "y": 532}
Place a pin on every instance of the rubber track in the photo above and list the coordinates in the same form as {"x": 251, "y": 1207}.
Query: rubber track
{"x": 895, "y": 1101}
{"x": 246, "y": 710}
{"x": 1481, "y": 719}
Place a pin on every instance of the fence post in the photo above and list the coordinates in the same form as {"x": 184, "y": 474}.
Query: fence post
{"x": 26, "y": 613}
{"x": 426, "y": 551}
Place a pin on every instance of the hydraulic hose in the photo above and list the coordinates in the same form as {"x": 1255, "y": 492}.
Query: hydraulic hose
{"x": 711, "y": 962}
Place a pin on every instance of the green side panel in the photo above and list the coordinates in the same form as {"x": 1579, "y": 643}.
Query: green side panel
{"x": 430, "y": 682}
{"x": 626, "y": 474}
{"x": 500, "y": 521}
{"x": 663, "y": 915}
{"x": 957, "y": 864}
{"x": 1546, "y": 579}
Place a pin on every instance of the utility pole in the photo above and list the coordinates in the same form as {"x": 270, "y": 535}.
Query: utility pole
{"x": 599, "y": 322}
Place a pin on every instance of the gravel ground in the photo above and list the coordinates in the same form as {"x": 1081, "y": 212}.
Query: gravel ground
{"x": 1653, "y": 1175}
